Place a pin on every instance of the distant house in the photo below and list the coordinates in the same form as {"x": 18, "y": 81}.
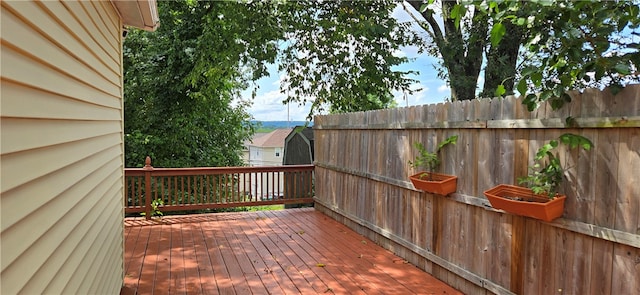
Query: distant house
{"x": 62, "y": 151}
{"x": 266, "y": 149}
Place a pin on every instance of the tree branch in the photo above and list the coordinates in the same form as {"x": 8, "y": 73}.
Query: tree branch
{"x": 436, "y": 31}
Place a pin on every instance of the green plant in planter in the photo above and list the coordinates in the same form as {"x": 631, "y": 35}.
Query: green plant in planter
{"x": 545, "y": 176}
{"x": 430, "y": 160}
{"x": 155, "y": 208}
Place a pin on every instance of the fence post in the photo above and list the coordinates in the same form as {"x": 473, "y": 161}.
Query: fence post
{"x": 147, "y": 187}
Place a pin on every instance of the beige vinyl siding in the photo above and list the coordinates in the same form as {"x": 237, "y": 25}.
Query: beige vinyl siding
{"x": 61, "y": 148}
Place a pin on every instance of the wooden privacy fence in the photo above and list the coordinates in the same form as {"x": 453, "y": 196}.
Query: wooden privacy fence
{"x": 362, "y": 180}
{"x": 182, "y": 189}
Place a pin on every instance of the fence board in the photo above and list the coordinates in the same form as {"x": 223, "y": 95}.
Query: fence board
{"x": 549, "y": 260}
{"x": 625, "y": 270}
{"x": 628, "y": 176}
{"x": 486, "y": 160}
{"x": 459, "y": 238}
{"x": 602, "y": 267}
{"x": 606, "y": 148}
{"x": 564, "y": 262}
{"x": 532, "y": 263}
{"x": 582, "y": 265}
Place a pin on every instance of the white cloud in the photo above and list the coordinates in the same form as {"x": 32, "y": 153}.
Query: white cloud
{"x": 281, "y": 78}
{"x": 443, "y": 88}
{"x": 268, "y": 106}
{"x": 421, "y": 97}
{"x": 282, "y": 113}
{"x": 273, "y": 97}
{"x": 399, "y": 53}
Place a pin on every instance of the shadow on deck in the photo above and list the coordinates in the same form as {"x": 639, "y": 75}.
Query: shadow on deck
{"x": 294, "y": 251}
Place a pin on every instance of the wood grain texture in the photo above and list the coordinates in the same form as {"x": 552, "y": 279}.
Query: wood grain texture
{"x": 277, "y": 252}
{"x": 517, "y": 254}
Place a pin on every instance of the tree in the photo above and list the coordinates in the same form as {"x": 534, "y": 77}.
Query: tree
{"x": 340, "y": 54}
{"x": 573, "y": 45}
{"x": 541, "y": 46}
{"x": 341, "y": 51}
{"x": 502, "y": 59}
{"x": 460, "y": 42}
{"x": 183, "y": 82}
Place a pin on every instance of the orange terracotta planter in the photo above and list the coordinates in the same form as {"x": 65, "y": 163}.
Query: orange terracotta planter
{"x": 522, "y": 201}
{"x": 435, "y": 183}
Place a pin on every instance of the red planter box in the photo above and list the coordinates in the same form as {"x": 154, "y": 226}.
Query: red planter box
{"x": 522, "y": 201}
{"x": 440, "y": 184}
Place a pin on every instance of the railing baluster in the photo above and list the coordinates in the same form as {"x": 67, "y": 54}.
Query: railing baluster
{"x": 251, "y": 184}
{"x": 162, "y": 190}
{"x": 230, "y": 188}
{"x": 276, "y": 183}
{"x": 228, "y": 181}
{"x": 196, "y": 190}
{"x": 187, "y": 191}
{"x": 173, "y": 190}
{"x": 263, "y": 180}
{"x": 244, "y": 188}
{"x": 148, "y": 169}
{"x": 217, "y": 188}
{"x": 201, "y": 190}
{"x": 222, "y": 181}
{"x": 206, "y": 189}
{"x": 226, "y": 189}
{"x": 139, "y": 196}
{"x": 272, "y": 176}
{"x": 236, "y": 187}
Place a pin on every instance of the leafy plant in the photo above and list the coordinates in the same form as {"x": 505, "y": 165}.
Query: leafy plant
{"x": 155, "y": 208}
{"x": 569, "y": 45}
{"x": 546, "y": 174}
{"x": 430, "y": 160}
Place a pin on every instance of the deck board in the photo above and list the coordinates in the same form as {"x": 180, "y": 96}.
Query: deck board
{"x": 293, "y": 251}
{"x": 357, "y": 270}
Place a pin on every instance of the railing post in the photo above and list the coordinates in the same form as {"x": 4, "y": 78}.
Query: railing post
{"x": 147, "y": 187}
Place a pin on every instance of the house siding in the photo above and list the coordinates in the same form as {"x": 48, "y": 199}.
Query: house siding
{"x": 61, "y": 148}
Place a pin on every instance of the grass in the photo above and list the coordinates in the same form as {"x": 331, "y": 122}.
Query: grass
{"x": 265, "y": 208}
{"x": 217, "y": 210}
{"x": 264, "y": 130}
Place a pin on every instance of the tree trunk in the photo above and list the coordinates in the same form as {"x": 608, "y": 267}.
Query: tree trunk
{"x": 465, "y": 63}
{"x": 501, "y": 62}
{"x": 461, "y": 54}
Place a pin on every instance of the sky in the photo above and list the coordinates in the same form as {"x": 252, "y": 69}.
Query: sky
{"x": 268, "y": 106}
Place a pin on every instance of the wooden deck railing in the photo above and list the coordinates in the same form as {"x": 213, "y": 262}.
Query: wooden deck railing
{"x": 182, "y": 189}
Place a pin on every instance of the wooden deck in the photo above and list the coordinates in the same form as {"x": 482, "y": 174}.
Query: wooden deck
{"x": 294, "y": 251}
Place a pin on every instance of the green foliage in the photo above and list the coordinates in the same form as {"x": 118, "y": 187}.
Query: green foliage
{"x": 340, "y": 54}
{"x": 458, "y": 37}
{"x": 183, "y": 82}
{"x": 430, "y": 160}
{"x": 265, "y": 129}
{"x": 546, "y": 174}
{"x": 545, "y": 47}
{"x": 155, "y": 208}
{"x": 497, "y": 32}
{"x": 572, "y": 45}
